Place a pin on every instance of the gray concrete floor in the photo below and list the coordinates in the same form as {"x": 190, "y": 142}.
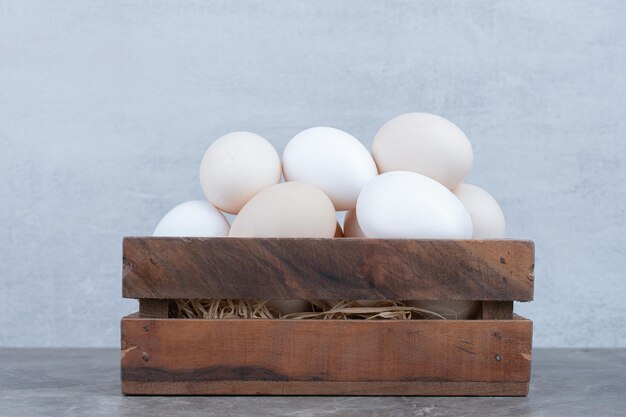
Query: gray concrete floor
{"x": 85, "y": 382}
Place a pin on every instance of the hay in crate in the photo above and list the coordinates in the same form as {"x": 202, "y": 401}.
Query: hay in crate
{"x": 320, "y": 309}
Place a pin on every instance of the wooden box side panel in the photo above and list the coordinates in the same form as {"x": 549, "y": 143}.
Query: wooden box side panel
{"x": 270, "y": 268}
{"x": 179, "y": 356}
{"x": 424, "y": 388}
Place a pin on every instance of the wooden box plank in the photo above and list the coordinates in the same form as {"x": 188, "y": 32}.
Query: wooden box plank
{"x": 412, "y": 357}
{"x": 271, "y": 268}
{"x": 496, "y": 310}
{"x": 150, "y": 307}
{"x": 423, "y": 388}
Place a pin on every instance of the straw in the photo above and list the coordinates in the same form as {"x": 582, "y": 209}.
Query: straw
{"x": 320, "y": 309}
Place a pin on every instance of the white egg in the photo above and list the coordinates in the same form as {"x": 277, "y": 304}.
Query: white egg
{"x": 426, "y": 144}
{"x": 451, "y": 310}
{"x": 487, "y": 217}
{"x": 236, "y": 167}
{"x": 285, "y": 307}
{"x": 406, "y": 205}
{"x": 351, "y": 226}
{"x": 290, "y": 209}
{"x": 333, "y": 161}
{"x": 193, "y": 219}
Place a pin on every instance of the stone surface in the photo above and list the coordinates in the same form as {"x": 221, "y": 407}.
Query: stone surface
{"x": 85, "y": 382}
{"x": 106, "y": 108}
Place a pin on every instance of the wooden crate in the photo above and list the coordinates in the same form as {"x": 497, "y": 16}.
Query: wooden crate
{"x": 489, "y": 356}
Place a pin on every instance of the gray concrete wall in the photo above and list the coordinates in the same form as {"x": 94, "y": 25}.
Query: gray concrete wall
{"x": 107, "y": 107}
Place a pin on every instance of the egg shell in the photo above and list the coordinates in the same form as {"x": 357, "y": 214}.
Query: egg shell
{"x": 487, "y": 217}
{"x": 451, "y": 310}
{"x": 290, "y": 209}
{"x": 351, "y": 226}
{"x": 285, "y": 307}
{"x": 426, "y": 144}
{"x": 236, "y": 167}
{"x": 406, "y": 205}
{"x": 193, "y": 219}
{"x": 332, "y": 160}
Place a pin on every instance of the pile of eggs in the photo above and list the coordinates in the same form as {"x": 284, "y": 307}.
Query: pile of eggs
{"x": 409, "y": 187}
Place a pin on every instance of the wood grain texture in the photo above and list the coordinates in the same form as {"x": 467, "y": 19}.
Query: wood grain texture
{"x": 429, "y": 388}
{"x": 497, "y": 310}
{"x": 169, "y": 354}
{"x": 154, "y": 308}
{"x": 270, "y": 268}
